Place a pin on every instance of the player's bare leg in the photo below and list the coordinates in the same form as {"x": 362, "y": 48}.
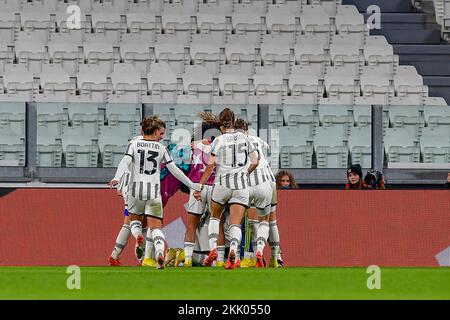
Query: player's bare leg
{"x": 189, "y": 237}
{"x": 121, "y": 242}
{"x": 158, "y": 239}
{"x": 213, "y": 232}
{"x": 236, "y": 214}
{"x": 274, "y": 242}
{"x": 221, "y": 244}
{"x": 249, "y": 257}
{"x": 262, "y": 235}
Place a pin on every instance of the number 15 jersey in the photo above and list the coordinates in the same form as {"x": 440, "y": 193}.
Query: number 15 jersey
{"x": 232, "y": 151}
{"x": 147, "y": 157}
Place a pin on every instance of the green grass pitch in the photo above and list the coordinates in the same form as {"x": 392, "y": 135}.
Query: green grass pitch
{"x": 213, "y": 283}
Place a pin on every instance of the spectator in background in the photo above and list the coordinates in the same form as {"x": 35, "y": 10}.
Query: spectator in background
{"x": 448, "y": 181}
{"x": 285, "y": 180}
{"x": 355, "y": 178}
{"x": 356, "y": 181}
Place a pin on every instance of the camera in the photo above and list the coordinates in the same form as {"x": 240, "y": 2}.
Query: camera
{"x": 373, "y": 177}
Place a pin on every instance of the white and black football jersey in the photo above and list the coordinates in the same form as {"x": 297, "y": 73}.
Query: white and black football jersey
{"x": 232, "y": 151}
{"x": 260, "y": 174}
{"x": 147, "y": 156}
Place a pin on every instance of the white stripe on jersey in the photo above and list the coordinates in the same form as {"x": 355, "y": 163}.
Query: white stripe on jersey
{"x": 232, "y": 151}
{"x": 144, "y": 183}
{"x": 259, "y": 175}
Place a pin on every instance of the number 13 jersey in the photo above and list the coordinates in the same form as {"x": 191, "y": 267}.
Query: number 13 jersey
{"x": 147, "y": 157}
{"x": 232, "y": 151}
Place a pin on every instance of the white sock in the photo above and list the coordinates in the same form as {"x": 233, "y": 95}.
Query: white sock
{"x": 213, "y": 232}
{"x": 274, "y": 240}
{"x": 149, "y": 247}
{"x": 253, "y": 224}
{"x": 221, "y": 253}
{"x": 188, "y": 250}
{"x": 121, "y": 241}
{"x": 236, "y": 237}
{"x": 136, "y": 228}
{"x": 158, "y": 241}
{"x": 263, "y": 234}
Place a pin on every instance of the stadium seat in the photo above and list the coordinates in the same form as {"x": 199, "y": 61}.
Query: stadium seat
{"x": 269, "y": 88}
{"x": 376, "y": 84}
{"x": 174, "y": 54}
{"x": 144, "y": 25}
{"x": 435, "y": 144}
{"x": 362, "y": 115}
{"x": 198, "y": 82}
{"x": 92, "y": 85}
{"x": 49, "y": 148}
{"x": 9, "y": 24}
{"x": 178, "y": 24}
{"x": 138, "y": 55}
{"x": 314, "y": 19}
{"x": 337, "y": 117}
{"x": 12, "y": 117}
{"x": 216, "y": 7}
{"x": 305, "y": 85}
{"x": 188, "y": 7}
{"x": 330, "y": 6}
{"x": 86, "y": 116}
{"x": 302, "y": 116}
{"x": 12, "y": 148}
{"x": 400, "y": 146}
{"x": 19, "y": 84}
{"x": 234, "y": 85}
{"x": 409, "y": 85}
{"x": 52, "y": 117}
{"x": 166, "y": 112}
{"x": 208, "y": 55}
{"x": 277, "y": 56}
{"x": 38, "y": 22}
{"x": 310, "y": 50}
{"x": 56, "y": 85}
{"x": 379, "y": 53}
{"x": 154, "y": 7}
{"x": 345, "y": 50}
{"x": 249, "y": 24}
{"x": 65, "y": 54}
{"x": 66, "y": 30}
{"x": 340, "y": 85}
{"x": 436, "y": 116}
{"x": 6, "y": 56}
{"x": 110, "y": 24}
{"x": 296, "y": 148}
{"x": 80, "y": 149}
{"x": 349, "y": 20}
{"x": 330, "y": 147}
{"x": 243, "y": 54}
{"x": 360, "y": 146}
{"x": 162, "y": 84}
{"x": 125, "y": 115}
{"x": 407, "y": 117}
{"x": 281, "y": 19}
{"x": 32, "y": 55}
{"x": 102, "y": 55}
{"x": 127, "y": 86}
{"x": 112, "y": 144}
{"x": 187, "y": 115}
{"x": 217, "y": 24}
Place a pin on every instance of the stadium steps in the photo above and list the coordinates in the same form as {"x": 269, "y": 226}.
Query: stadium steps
{"x": 416, "y": 39}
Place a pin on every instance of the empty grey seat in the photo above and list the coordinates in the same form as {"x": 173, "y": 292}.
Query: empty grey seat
{"x": 296, "y": 148}
{"x": 331, "y": 149}
{"x": 49, "y": 148}
{"x": 360, "y": 146}
{"x": 112, "y": 144}
{"x": 80, "y": 149}
{"x": 435, "y": 144}
{"x": 400, "y": 146}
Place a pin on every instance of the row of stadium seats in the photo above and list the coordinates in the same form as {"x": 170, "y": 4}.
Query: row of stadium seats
{"x": 278, "y": 51}
{"x": 321, "y": 136}
{"x": 305, "y": 85}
